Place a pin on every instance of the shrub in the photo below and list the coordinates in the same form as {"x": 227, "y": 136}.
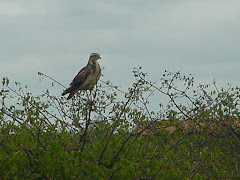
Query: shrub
{"x": 113, "y": 134}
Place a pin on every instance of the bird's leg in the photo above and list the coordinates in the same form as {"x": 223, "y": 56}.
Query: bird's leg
{"x": 89, "y": 95}
{"x": 90, "y": 98}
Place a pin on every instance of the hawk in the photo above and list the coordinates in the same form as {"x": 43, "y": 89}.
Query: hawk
{"x": 86, "y": 78}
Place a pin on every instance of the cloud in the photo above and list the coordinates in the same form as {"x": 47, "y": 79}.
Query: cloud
{"x": 16, "y": 8}
{"x": 186, "y": 28}
{"x": 56, "y": 37}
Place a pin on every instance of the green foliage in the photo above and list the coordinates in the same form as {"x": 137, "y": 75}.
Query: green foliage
{"x": 113, "y": 134}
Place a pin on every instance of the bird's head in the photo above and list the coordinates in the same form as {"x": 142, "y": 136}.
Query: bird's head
{"x": 94, "y": 56}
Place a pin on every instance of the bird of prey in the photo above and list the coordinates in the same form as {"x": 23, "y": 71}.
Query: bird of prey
{"x": 86, "y": 78}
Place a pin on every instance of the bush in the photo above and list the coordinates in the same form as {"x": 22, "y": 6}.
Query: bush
{"x": 112, "y": 134}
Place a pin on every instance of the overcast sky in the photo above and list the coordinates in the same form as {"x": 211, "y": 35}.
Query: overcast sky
{"x": 56, "y": 37}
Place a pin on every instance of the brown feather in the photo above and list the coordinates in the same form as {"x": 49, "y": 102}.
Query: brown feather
{"x": 86, "y": 78}
{"x": 80, "y": 78}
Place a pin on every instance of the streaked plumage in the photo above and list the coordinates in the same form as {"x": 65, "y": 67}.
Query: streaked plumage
{"x": 86, "y": 78}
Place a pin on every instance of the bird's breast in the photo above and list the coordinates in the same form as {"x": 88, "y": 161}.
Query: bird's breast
{"x": 93, "y": 77}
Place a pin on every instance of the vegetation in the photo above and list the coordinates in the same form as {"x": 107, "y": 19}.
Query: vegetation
{"x": 112, "y": 134}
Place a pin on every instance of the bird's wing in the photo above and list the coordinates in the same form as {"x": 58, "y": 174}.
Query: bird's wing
{"x": 81, "y": 77}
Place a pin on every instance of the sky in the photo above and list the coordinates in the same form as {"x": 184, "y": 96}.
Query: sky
{"x": 56, "y": 37}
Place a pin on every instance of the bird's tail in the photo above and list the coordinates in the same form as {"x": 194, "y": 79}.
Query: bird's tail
{"x": 70, "y": 93}
{"x": 66, "y": 91}
{"x": 70, "y": 96}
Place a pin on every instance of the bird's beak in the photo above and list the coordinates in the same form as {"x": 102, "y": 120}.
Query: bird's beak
{"x": 100, "y": 57}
